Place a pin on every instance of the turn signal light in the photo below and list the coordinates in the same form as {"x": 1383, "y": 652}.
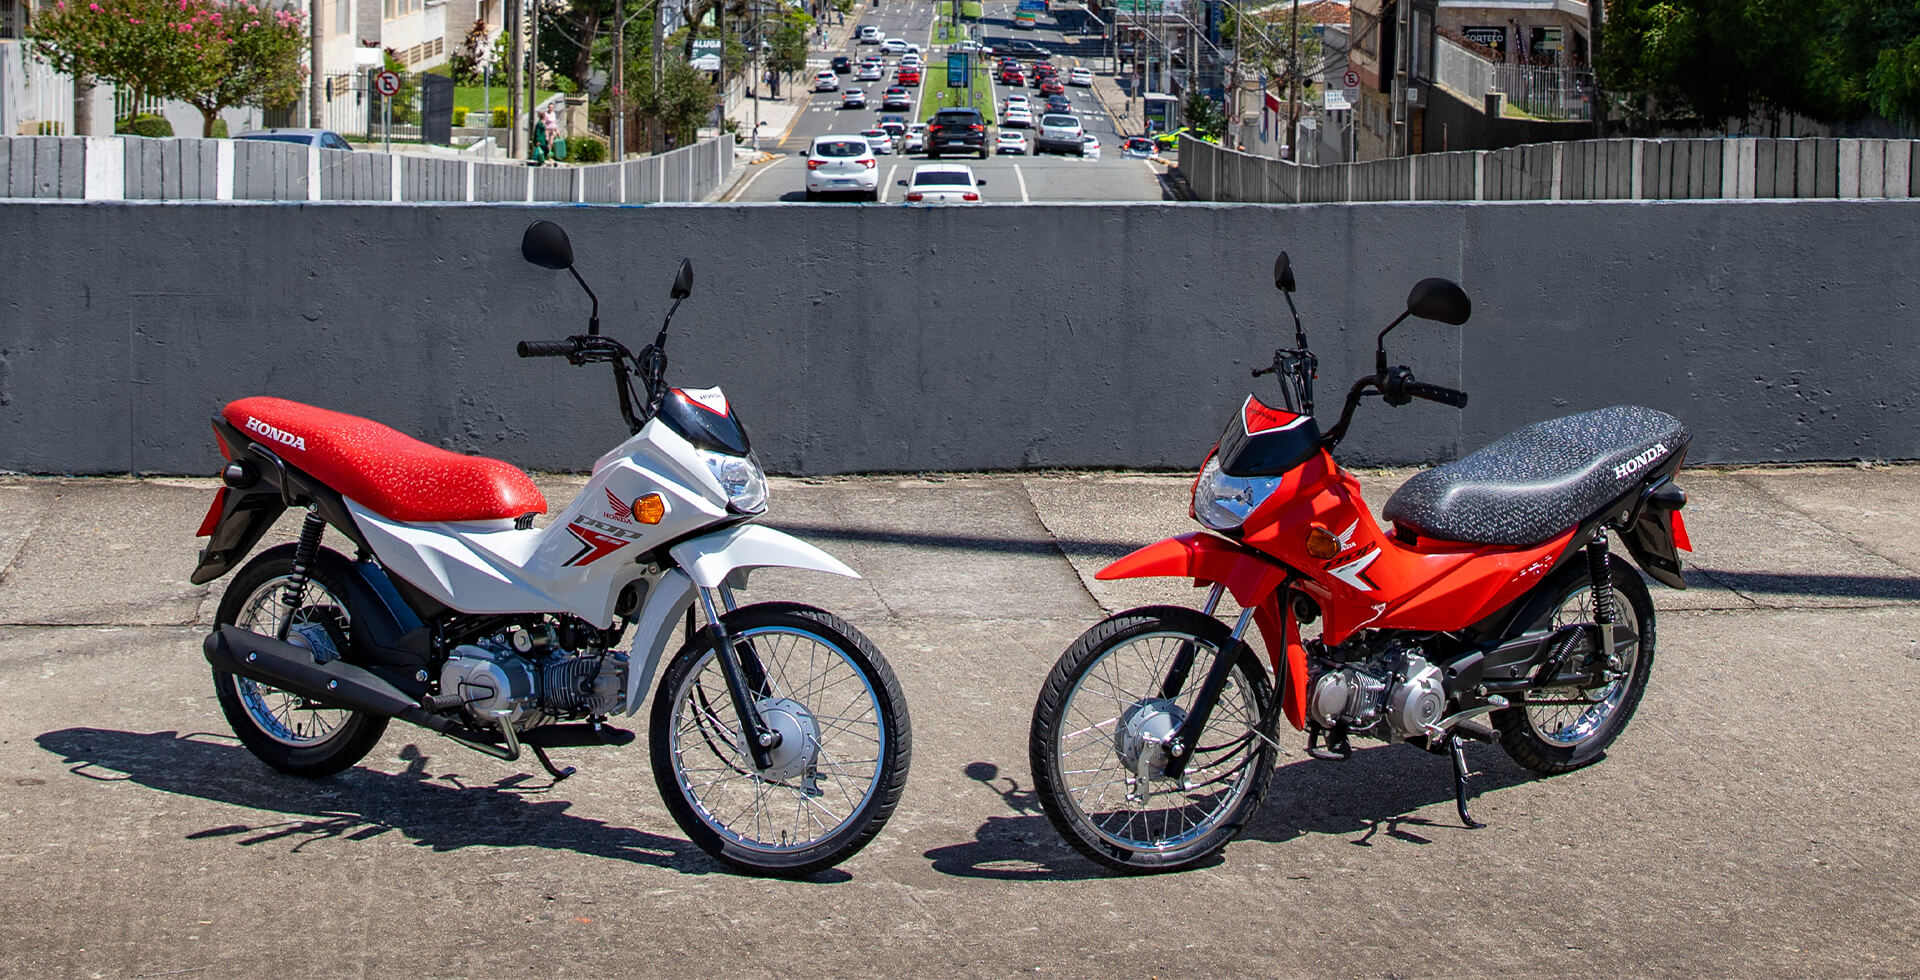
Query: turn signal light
{"x": 813, "y": 164}
{"x": 650, "y": 509}
{"x": 1321, "y": 543}
{"x": 913, "y": 195}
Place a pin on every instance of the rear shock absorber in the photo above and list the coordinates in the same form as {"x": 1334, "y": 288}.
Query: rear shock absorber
{"x": 304, "y": 555}
{"x": 1601, "y": 576}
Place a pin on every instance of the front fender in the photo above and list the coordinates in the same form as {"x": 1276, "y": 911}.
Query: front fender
{"x": 711, "y": 559}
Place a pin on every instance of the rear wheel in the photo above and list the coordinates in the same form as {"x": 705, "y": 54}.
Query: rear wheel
{"x": 837, "y": 771}
{"x": 1558, "y": 729}
{"x": 1097, "y": 742}
{"x": 285, "y": 730}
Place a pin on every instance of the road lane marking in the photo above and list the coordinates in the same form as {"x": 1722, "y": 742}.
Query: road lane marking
{"x": 742, "y": 189}
{"x": 1022, "y": 178}
{"x": 887, "y": 185}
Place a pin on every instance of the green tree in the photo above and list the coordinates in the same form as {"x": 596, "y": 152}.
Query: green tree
{"x": 1204, "y": 115}
{"x": 252, "y": 57}
{"x": 680, "y": 104}
{"x": 136, "y": 44}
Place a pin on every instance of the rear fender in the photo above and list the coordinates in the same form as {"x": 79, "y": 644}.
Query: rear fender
{"x": 264, "y": 486}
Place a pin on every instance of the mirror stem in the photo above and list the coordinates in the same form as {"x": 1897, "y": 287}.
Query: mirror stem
{"x": 1299, "y": 335}
{"x": 1380, "y": 346}
{"x": 593, "y": 321}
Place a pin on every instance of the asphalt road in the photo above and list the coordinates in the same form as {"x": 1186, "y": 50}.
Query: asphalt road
{"x": 1049, "y": 177}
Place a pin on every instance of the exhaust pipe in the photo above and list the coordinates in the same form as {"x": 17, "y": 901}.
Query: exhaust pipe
{"x": 291, "y": 669}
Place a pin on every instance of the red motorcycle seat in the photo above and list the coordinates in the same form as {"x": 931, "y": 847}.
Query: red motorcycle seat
{"x": 386, "y": 471}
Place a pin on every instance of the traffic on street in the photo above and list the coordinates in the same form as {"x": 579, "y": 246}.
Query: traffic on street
{"x": 1047, "y": 135}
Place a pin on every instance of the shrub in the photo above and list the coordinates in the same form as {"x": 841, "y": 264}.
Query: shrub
{"x": 459, "y": 115}
{"x": 144, "y": 125}
{"x": 502, "y": 118}
{"x": 219, "y": 129}
{"x": 586, "y": 149}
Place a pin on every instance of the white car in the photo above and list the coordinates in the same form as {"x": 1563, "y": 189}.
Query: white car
{"x": 1010, "y": 142}
{"x": 826, "y": 81}
{"x": 1060, "y": 133}
{"x": 1081, "y": 77}
{"x": 1019, "y": 102}
{"x": 916, "y": 141}
{"x": 911, "y": 60}
{"x": 893, "y": 45}
{"x": 1017, "y": 117}
{"x": 853, "y": 98}
{"x": 869, "y": 73}
{"x": 881, "y": 141}
{"x": 870, "y": 34}
{"x": 1090, "y": 146}
{"x": 842, "y": 164}
{"x": 943, "y": 183}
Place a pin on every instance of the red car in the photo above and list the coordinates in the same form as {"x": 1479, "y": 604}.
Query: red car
{"x": 1012, "y": 76}
{"x": 907, "y": 76}
{"x": 1051, "y": 86}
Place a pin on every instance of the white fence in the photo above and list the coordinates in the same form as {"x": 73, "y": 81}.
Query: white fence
{"x": 34, "y": 99}
{"x": 1544, "y": 93}
{"x": 112, "y": 168}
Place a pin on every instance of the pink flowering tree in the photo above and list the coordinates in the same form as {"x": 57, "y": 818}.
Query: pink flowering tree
{"x": 211, "y": 54}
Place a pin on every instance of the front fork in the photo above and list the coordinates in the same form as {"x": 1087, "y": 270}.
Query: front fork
{"x": 746, "y": 679}
{"x": 1181, "y": 743}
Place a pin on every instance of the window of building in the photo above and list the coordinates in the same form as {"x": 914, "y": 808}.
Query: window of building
{"x": 342, "y": 11}
{"x": 13, "y": 18}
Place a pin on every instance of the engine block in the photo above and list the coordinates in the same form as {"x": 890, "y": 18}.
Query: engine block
{"x": 495, "y": 680}
{"x": 1394, "y": 695}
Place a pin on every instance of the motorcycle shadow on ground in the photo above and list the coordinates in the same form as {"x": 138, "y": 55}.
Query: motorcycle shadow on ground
{"x": 441, "y": 811}
{"x": 1367, "y": 798}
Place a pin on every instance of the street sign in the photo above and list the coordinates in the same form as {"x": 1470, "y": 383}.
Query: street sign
{"x": 1351, "y": 79}
{"x": 1336, "y": 100}
{"x": 388, "y": 83}
{"x": 1036, "y": 6}
{"x": 957, "y": 69}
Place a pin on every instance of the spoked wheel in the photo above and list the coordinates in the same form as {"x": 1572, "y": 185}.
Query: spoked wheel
{"x": 1557, "y": 729}
{"x": 841, "y": 761}
{"x": 285, "y": 730}
{"x": 1098, "y": 742}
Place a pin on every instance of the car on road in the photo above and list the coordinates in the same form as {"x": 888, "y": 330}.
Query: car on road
{"x": 1137, "y": 146}
{"x": 896, "y": 98}
{"x": 1052, "y": 86}
{"x": 1171, "y": 141}
{"x": 1059, "y": 103}
{"x": 870, "y": 34}
{"x": 897, "y": 130}
{"x": 869, "y": 73}
{"x": 907, "y": 76}
{"x": 911, "y": 60}
{"x": 1016, "y": 101}
{"x": 1017, "y": 117}
{"x": 853, "y": 98}
{"x": 916, "y": 141}
{"x": 879, "y": 139}
{"x": 1080, "y": 77}
{"x": 1060, "y": 133}
{"x": 966, "y": 45}
{"x": 1012, "y": 76}
{"x": 893, "y": 45}
{"x": 1010, "y": 142}
{"x": 325, "y": 139}
{"x": 1022, "y": 47}
{"x": 826, "y": 81}
{"x": 957, "y": 131}
{"x": 842, "y": 65}
{"x": 844, "y": 165}
{"x": 943, "y": 183}
{"x": 1090, "y": 146}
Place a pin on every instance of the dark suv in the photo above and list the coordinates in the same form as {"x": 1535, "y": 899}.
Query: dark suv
{"x": 957, "y": 131}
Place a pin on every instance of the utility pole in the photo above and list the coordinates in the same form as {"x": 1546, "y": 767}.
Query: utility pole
{"x": 533, "y": 72}
{"x": 660, "y": 62}
{"x": 316, "y": 107}
{"x": 1293, "y": 81}
{"x": 516, "y": 147}
{"x": 617, "y": 127}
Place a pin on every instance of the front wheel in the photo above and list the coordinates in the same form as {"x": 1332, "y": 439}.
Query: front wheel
{"x": 1099, "y": 729}
{"x": 841, "y": 761}
{"x": 1558, "y": 729}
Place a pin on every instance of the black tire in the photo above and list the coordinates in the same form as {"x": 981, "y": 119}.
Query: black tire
{"x": 1236, "y": 748}
{"x": 707, "y": 735}
{"x": 983, "y": 153}
{"x": 812, "y": 197}
{"x": 1542, "y": 737}
{"x": 272, "y": 723}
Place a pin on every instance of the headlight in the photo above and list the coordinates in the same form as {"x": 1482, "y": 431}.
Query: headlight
{"x": 741, "y": 479}
{"x": 1223, "y": 502}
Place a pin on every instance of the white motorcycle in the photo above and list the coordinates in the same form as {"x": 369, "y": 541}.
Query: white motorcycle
{"x": 780, "y": 739}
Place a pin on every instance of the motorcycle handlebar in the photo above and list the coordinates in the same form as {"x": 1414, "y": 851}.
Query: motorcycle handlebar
{"x": 1435, "y": 393}
{"x": 548, "y": 348}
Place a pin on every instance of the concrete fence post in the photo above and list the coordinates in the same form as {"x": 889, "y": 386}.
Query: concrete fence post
{"x": 620, "y": 182}
{"x": 223, "y": 170}
{"x": 467, "y": 178}
{"x": 1480, "y": 175}
{"x": 313, "y": 172}
{"x": 1636, "y": 182}
{"x": 1413, "y": 179}
{"x": 393, "y": 169}
{"x": 1898, "y": 167}
{"x": 106, "y": 169}
{"x": 1849, "y": 184}
{"x": 1559, "y": 169}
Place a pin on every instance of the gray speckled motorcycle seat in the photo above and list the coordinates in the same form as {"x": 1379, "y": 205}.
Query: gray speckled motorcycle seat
{"x": 1534, "y": 483}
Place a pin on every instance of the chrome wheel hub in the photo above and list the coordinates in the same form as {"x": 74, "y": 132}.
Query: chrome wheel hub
{"x": 794, "y": 757}
{"x": 1141, "y": 738}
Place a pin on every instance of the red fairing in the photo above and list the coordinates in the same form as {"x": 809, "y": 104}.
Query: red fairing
{"x": 211, "y": 522}
{"x": 388, "y": 472}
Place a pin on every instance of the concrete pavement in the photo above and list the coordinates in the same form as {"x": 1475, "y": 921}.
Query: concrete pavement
{"x": 1757, "y": 818}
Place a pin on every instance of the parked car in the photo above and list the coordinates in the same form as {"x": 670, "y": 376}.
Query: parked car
{"x": 881, "y": 141}
{"x": 1090, "y": 146}
{"x": 826, "y": 81}
{"x": 325, "y": 139}
{"x": 1011, "y": 141}
{"x": 943, "y": 183}
{"x": 1171, "y": 141}
{"x": 1018, "y": 117}
{"x": 842, "y": 164}
{"x": 842, "y": 65}
{"x": 853, "y": 98}
{"x": 1060, "y": 133}
{"x": 1080, "y": 77}
{"x": 957, "y": 131}
{"x": 897, "y": 98}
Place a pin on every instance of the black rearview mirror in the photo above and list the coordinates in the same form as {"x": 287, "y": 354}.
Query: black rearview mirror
{"x": 683, "y": 281}
{"x": 545, "y": 244}
{"x": 1439, "y": 299}
{"x": 1283, "y": 274}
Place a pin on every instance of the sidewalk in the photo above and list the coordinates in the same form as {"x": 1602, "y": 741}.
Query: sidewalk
{"x": 776, "y": 115}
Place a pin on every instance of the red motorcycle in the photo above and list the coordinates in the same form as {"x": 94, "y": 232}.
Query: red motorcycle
{"x": 1489, "y": 609}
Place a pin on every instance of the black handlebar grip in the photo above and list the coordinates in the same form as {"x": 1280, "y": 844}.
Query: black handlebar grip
{"x": 547, "y": 348}
{"x": 1436, "y": 393}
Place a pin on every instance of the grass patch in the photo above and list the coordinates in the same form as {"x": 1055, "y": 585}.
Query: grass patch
{"x": 935, "y": 95}
{"x": 473, "y": 97}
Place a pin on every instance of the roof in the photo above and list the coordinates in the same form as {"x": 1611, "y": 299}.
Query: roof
{"x": 1328, "y": 12}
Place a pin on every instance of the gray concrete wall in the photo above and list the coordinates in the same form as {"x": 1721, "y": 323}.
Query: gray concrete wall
{"x": 859, "y": 338}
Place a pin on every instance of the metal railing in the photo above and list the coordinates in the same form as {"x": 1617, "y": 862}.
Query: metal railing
{"x": 1541, "y": 92}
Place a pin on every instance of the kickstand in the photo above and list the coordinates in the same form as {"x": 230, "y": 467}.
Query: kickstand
{"x": 1457, "y": 749}
{"x": 559, "y": 774}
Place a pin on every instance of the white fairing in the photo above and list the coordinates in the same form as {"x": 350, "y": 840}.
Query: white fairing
{"x": 710, "y": 559}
